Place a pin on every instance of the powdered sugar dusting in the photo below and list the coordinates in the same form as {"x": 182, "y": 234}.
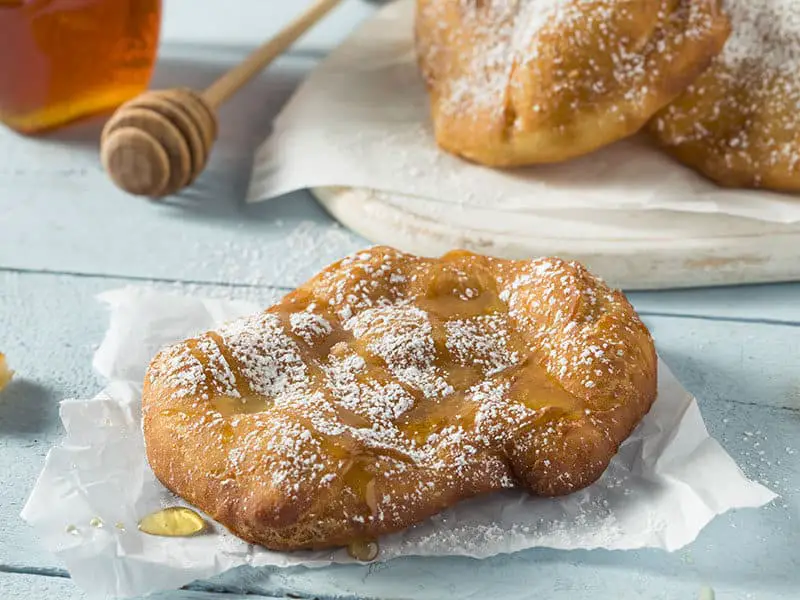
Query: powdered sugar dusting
{"x": 309, "y": 326}
{"x": 378, "y": 404}
{"x": 180, "y": 369}
{"x": 268, "y": 358}
{"x": 222, "y": 378}
{"x": 401, "y": 335}
{"x": 496, "y": 40}
{"x": 396, "y": 377}
{"x": 766, "y": 32}
{"x": 481, "y": 340}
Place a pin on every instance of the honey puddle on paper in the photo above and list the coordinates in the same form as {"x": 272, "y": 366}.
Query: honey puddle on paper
{"x": 176, "y": 521}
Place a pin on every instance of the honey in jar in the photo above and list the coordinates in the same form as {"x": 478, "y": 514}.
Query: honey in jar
{"x": 61, "y": 60}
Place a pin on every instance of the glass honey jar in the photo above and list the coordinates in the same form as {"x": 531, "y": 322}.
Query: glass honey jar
{"x": 61, "y": 60}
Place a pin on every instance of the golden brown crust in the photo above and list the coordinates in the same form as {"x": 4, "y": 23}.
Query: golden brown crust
{"x": 390, "y": 387}
{"x": 542, "y": 81}
{"x": 739, "y": 123}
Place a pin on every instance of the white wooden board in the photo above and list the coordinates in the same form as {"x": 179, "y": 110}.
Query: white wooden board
{"x": 636, "y": 250}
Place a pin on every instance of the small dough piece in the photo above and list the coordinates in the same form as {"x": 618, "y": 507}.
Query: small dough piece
{"x": 5, "y": 372}
{"x": 520, "y": 82}
{"x": 391, "y": 386}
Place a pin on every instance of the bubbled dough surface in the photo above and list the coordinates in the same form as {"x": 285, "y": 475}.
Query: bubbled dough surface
{"x": 391, "y": 386}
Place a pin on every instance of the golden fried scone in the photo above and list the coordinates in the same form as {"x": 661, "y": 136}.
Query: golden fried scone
{"x": 390, "y": 387}
{"x": 542, "y": 81}
{"x": 739, "y": 123}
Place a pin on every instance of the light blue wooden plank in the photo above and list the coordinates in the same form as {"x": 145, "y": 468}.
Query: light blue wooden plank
{"x": 15, "y": 586}
{"x": 743, "y": 363}
{"x": 253, "y": 21}
{"x": 779, "y": 302}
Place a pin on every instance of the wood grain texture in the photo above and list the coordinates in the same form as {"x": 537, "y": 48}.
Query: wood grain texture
{"x": 16, "y": 586}
{"x": 181, "y": 129}
{"x": 768, "y": 303}
{"x": 212, "y": 22}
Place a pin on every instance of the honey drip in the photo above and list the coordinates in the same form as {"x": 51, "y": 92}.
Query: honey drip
{"x": 364, "y": 550}
{"x": 63, "y": 60}
{"x": 176, "y": 521}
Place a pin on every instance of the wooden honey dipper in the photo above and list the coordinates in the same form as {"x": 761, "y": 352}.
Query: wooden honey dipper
{"x": 158, "y": 143}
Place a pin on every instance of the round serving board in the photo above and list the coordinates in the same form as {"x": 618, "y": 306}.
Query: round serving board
{"x": 635, "y": 250}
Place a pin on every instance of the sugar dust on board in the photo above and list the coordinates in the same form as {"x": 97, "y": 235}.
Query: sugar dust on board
{"x": 176, "y": 521}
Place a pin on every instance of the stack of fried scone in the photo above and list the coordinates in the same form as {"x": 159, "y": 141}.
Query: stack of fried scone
{"x": 716, "y": 83}
{"x": 391, "y": 386}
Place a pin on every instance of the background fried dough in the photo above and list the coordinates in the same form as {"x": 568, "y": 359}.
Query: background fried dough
{"x": 541, "y": 81}
{"x": 739, "y": 123}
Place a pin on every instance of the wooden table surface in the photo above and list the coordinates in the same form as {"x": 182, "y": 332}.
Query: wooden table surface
{"x": 66, "y": 234}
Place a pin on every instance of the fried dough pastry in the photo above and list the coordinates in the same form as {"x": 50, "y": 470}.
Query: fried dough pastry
{"x": 389, "y": 387}
{"x": 739, "y": 123}
{"x": 518, "y": 82}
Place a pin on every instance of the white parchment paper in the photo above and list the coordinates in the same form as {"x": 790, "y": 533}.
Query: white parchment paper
{"x": 667, "y": 482}
{"x": 362, "y": 120}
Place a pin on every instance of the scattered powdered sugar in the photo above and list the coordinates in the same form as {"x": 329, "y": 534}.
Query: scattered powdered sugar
{"x": 593, "y": 523}
{"x": 379, "y": 404}
{"x": 181, "y": 370}
{"x": 253, "y": 259}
